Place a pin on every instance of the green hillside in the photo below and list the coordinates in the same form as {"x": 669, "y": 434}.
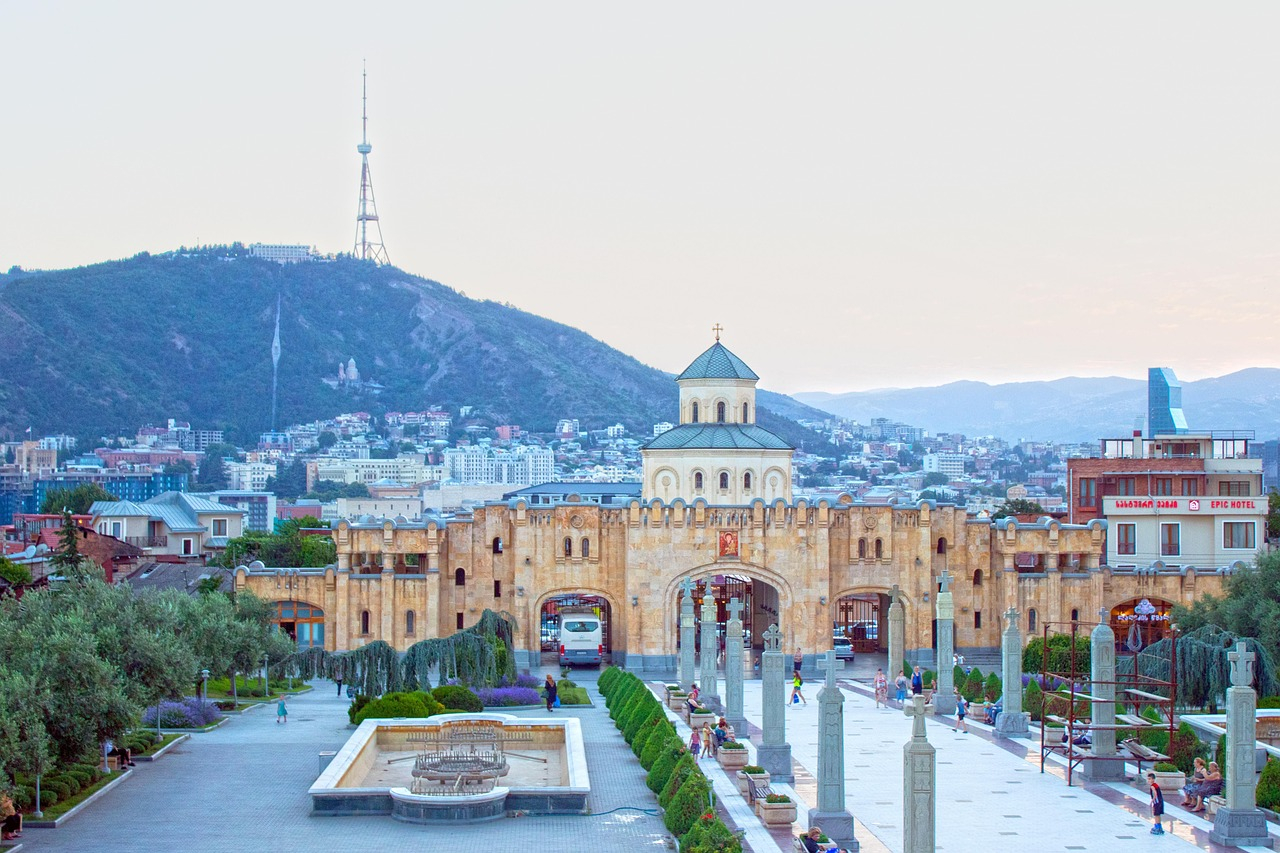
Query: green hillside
{"x": 115, "y": 345}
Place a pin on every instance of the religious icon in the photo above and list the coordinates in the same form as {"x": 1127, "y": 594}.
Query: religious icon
{"x": 728, "y": 543}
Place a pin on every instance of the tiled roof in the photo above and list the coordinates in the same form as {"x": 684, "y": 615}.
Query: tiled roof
{"x": 718, "y": 437}
{"x": 718, "y": 363}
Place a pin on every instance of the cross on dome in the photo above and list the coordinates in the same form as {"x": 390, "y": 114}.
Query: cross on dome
{"x": 717, "y": 328}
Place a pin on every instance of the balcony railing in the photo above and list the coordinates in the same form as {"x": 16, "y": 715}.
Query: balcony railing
{"x": 147, "y": 541}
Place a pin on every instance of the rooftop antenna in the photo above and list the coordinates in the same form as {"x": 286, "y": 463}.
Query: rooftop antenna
{"x": 367, "y": 211}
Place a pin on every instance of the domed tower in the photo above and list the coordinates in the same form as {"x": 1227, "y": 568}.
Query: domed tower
{"x": 717, "y": 453}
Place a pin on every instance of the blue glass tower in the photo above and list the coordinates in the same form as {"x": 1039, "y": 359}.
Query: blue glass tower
{"x": 1164, "y": 403}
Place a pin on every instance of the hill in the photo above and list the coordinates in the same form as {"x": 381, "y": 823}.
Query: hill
{"x": 1070, "y": 409}
{"x": 188, "y": 336}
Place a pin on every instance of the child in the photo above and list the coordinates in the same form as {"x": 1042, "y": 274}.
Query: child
{"x": 962, "y": 708}
{"x": 708, "y": 741}
{"x": 882, "y": 689}
{"x": 282, "y": 713}
{"x": 695, "y": 744}
{"x": 1157, "y": 805}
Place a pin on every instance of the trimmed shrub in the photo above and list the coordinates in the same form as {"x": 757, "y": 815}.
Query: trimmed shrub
{"x": 1033, "y": 700}
{"x": 1222, "y": 756}
{"x": 710, "y": 835}
{"x": 1184, "y": 748}
{"x": 992, "y": 688}
{"x": 641, "y": 739}
{"x": 959, "y": 677}
{"x": 646, "y": 712}
{"x": 57, "y": 786}
{"x": 973, "y": 686}
{"x": 573, "y": 696}
{"x": 606, "y": 680}
{"x": 457, "y": 696}
{"x": 416, "y": 704}
{"x": 1268, "y": 791}
{"x": 688, "y": 804}
{"x": 670, "y": 751}
{"x": 47, "y": 797}
{"x": 927, "y": 678}
{"x": 357, "y": 704}
{"x": 23, "y": 797}
{"x": 662, "y": 737}
{"x": 684, "y": 768}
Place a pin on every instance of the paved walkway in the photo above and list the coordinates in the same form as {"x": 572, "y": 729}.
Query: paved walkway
{"x": 244, "y": 786}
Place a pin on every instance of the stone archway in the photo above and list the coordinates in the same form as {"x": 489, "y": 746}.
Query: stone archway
{"x": 534, "y": 632}
{"x": 772, "y": 603}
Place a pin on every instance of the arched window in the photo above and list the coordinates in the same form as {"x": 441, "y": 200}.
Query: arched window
{"x": 586, "y": 549}
{"x": 977, "y": 578}
{"x": 862, "y": 549}
{"x": 724, "y": 481}
{"x": 1075, "y": 615}
{"x": 364, "y": 621}
{"x": 720, "y": 412}
{"x": 879, "y": 549}
{"x": 497, "y": 544}
{"x": 694, "y": 418}
{"x": 1031, "y": 620}
{"x": 746, "y": 481}
{"x": 697, "y": 480}
{"x": 459, "y": 578}
{"x": 745, "y": 419}
{"x": 942, "y": 546}
{"x": 568, "y": 546}
{"x": 410, "y": 618}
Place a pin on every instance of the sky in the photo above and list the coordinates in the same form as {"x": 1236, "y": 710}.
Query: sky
{"x": 863, "y": 195}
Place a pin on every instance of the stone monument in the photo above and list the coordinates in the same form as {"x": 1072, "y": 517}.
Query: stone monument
{"x": 708, "y": 683}
{"x": 1240, "y": 823}
{"x": 919, "y": 784}
{"x": 944, "y": 696}
{"x": 733, "y": 669}
{"x": 1013, "y": 721}
{"x": 832, "y": 815}
{"x": 1102, "y": 659}
{"x": 897, "y": 640}
{"x": 774, "y": 753}
{"x": 686, "y": 635}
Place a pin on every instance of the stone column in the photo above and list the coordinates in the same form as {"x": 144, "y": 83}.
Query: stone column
{"x": 832, "y": 815}
{"x": 708, "y": 684}
{"x": 1240, "y": 823}
{"x": 944, "y": 697}
{"x": 733, "y": 670}
{"x": 919, "y": 784}
{"x": 774, "y": 753}
{"x": 897, "y": 638}
{"x": 686, "y": 635}
{"x": 1102, "y": 659}
{"x": 1013, "y": 721}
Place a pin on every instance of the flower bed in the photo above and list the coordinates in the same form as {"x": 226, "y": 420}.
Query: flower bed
{"x": 501, "y": 697}
{"x": 190, "y": 713}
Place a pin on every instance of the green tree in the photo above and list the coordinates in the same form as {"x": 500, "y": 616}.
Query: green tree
{"x": 1018, "y": 506}
{"x": 287, "y": 548}
{"x": 326, "y": 439}
{"x": 15, "y": 573}
{"x": 78, "y": 499}
{"x": 291, "y": 481}
{"x": 1273, "y": 514}
{"x": 935, "y": 478}
{"x": 67, "y": 555}
{"x": 179, "y": 466}
{"x": 1248, "y": 607}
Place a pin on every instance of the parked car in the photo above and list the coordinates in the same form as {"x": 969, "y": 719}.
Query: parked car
{"x": 844, "y": 648}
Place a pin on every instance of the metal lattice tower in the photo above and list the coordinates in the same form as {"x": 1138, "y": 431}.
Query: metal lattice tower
{"x": 367, "y": 211}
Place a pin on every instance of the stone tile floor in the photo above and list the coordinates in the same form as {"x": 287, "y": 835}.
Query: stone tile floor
{"x": 244, "y": 786}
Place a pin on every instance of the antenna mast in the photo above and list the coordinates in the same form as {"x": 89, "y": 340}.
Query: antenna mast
{"x": 367, "y": 211}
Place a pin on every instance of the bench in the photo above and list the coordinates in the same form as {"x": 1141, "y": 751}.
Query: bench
{"x": 1137, "y": 722}
{"x": 1141, "y": 753}
{"x": 757, "y": 792}
{"x": 1154, "y": 697}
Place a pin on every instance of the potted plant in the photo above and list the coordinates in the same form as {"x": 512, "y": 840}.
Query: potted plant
{"x": 701, "y": 717}
{"x": 732, "y": 755}
{"x": 1169, "y": 777}
{"x": 677, "y": 699}
{"x": 751, "y": 773}
{"x": 776, "y": 810}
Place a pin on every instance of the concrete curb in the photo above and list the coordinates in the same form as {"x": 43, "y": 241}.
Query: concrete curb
{"x": 200, "y": 731}
{"x": 54, "y": 824}
{"x": 168, "y": 746}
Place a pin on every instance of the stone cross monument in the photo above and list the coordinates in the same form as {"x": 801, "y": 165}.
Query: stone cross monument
{"x": 1012, "y": 721}
{"x": 686, "y": 634}
{"x": 919, "y": 784}
{"x": 733, "y": 669}
{"x": 897, "y": 642}
{"x": 708, "y": 684}
{"x": 944, "y": 696}
{"x": 1240, "y": 823}
{"x": 832, "y": 815}
{"x": 1102, "y": 658}
{"x": 774, "y": 753}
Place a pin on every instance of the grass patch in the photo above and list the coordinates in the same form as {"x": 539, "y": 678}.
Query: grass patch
{"x": 61, "y": 807}
{"x": 154, "y": 748}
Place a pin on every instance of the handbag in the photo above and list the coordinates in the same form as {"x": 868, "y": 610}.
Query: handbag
{"x": 556, "y": 704}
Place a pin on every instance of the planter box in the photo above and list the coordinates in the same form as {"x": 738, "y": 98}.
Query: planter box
{"x": 732, "y": 759}
{"x": 1212, "y": 804}
{"x": 761, "y": 779}
{"x": 776, "y": 814}
{"x": 697, "y": 721}
{"x": 677, "y": 701}
{"x": 1171, "y": 782}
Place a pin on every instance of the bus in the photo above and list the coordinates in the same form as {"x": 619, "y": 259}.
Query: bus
{"x": 581, "y": 637}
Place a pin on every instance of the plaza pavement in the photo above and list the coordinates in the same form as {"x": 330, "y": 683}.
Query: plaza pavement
{"x": 244, "y": 786}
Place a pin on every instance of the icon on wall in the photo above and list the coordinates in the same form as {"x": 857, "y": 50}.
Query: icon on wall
{"x": 728, "y": 543}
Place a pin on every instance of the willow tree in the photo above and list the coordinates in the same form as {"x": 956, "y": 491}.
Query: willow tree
{"x": 1204, "y": 670}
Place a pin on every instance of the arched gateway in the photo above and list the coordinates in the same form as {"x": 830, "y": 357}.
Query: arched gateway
{"x": 715, "y": 505}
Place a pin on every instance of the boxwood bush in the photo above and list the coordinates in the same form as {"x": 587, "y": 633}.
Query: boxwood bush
{"x": 457, "y": 696}
{"x": 646, "y": 730}
{"x": 416, "y": 704}
{"x": 669, "y": 753}
{"x": 689, "y": 803}
{"x": 662, "y": 738}
{"x": 1268, "y": 791}
{"x": 709, "y": 835}
{"x": 684, "y": 768}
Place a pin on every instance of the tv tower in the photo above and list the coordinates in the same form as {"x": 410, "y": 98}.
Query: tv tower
{"x": 367, "y": 211}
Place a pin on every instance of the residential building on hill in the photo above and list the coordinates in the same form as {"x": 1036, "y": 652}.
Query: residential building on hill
{"x": 259, "y": 506}
{"x": 125, "y": 485}
{"x": 174, "y": 523}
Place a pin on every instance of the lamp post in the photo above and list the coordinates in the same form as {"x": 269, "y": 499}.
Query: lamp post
{"x": 266, "y": 683}
{"x": 204, "y": 685}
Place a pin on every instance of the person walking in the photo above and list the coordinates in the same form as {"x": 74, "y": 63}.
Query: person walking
{"x": 881, "y": 685}
{"x": 282, "y": 712}
{"x": 797, "y": 661}
{"x": 900, "y": 683}
{"x": 796, "y": 683}
{"x": 962, "y": 710}
{"x": 1157, "y": 805}
{"x": 917, "y": 682}
{"x": 549, "y": 687}
{"x": 339, "y": 680}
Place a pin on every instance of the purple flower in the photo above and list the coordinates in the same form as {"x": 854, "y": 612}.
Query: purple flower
{"x": 495, "y": 697}
{"x": 190, "y": 713}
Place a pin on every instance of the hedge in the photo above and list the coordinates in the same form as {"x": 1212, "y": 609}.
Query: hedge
{"x": 662, "y": 737}
{"x": 685, "y": 767}
{"x": 646, "y": 730}
{"x": 688, "y": 804}
{"x": 457, "y": 696}
{"x": 1268, "y": 791}
{"x": 669, "y": 752}
{"x": 709, "y": 835}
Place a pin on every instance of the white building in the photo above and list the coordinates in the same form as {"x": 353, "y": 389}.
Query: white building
{"x": 282, "y": 253}
{"x": 248, "y": 476}
{"x": 950, "y": 464}
{"x": 524, "y": 465}
{"x": 665, "y": 426}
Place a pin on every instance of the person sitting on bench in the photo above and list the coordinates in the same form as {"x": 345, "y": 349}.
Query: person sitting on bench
{"x": 123, "y": 755}
{"x": 10, "y": 819}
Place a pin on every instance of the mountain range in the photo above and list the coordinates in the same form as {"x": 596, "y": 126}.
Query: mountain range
{"x": 188, "y": 335}
{"x": 1070, "y": 409}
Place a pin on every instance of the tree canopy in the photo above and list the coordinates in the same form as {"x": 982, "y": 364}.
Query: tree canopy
{"x": 77, "y": 499}
{"x": 287, "y": 548}
{"x": 1249, "y": 606}
{"x": 1018, "y": 506}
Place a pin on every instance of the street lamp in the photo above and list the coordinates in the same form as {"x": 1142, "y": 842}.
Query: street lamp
{"x": 266, "y": 683}
{"x": 204, "y": 685}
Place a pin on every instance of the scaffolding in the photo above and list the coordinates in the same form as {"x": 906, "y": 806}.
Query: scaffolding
{"x": 1066, "y": 725}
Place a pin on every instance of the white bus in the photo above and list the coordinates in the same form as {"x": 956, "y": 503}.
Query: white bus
{"x": 581, "y": 637}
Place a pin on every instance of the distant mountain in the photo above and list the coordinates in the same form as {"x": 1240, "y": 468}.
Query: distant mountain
{"x": 1071, "y": 409}
{"x": 116, "y": 345}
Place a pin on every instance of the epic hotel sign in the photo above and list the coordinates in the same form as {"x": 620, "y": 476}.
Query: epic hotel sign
{"x": 1141, "y": 505}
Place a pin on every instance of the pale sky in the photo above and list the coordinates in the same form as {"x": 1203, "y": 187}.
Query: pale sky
{"x": 864, "y": 195}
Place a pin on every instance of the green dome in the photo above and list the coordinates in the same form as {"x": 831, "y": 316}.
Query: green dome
{"x": 718, "y": 363}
